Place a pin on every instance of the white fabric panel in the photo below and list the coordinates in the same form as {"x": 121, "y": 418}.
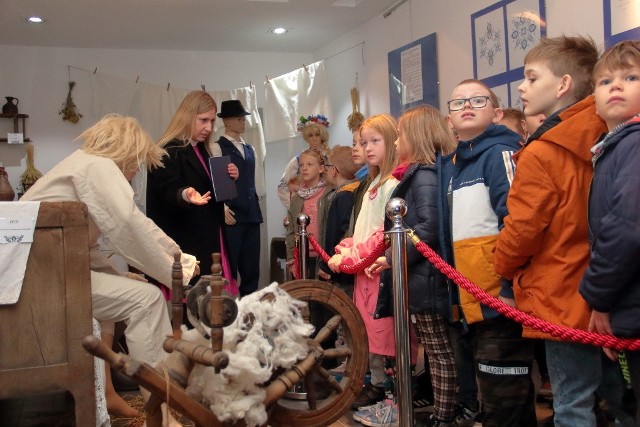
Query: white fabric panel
{"x": 472, "y": 214}
{"x": 302, "y": 92}
{"x": 155, "y": 105}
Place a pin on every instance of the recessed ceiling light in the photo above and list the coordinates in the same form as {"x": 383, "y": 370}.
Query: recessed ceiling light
{"x": 34, "y": 19}
{"x": 279, "y": 30}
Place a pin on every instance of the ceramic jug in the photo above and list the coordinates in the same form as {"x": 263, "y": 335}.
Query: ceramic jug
{"x": 6, "y": 191}
{"x": 11, "y": 107}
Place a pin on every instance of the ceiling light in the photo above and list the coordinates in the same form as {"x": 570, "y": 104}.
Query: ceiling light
{"x": 34, "y": 20}
{"x": 279, "y": 30}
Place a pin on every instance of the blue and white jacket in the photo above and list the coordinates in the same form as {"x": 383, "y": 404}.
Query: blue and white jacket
{"x": 482, "y": 175}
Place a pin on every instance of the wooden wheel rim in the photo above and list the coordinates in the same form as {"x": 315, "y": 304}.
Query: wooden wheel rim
{"x": 330, "y": 409}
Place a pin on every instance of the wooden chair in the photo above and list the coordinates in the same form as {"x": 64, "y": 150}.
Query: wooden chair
{"x": 40, "y": 336}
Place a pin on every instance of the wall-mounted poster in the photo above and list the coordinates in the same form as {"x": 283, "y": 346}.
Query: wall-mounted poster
{"x": 621, "y": 21}
{"x": 413, "y": 75}
{"x": 502, "y": 34}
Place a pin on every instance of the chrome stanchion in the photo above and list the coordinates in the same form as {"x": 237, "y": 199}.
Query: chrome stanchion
{"x": 298, "y": 391}
{"x": 303, "y": 243}
{"x": 396, "y": 209}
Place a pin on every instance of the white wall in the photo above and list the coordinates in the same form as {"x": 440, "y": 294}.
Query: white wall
{"x": 38, "y": 76}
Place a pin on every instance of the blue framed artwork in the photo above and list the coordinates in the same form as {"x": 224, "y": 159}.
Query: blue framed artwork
{"x": 413, "y": 75}
{"x": 621, "y": 21}
{"x": 502, "y": 34}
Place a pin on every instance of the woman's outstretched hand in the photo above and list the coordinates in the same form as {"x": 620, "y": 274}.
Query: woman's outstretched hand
{"x": 196, "y": 198}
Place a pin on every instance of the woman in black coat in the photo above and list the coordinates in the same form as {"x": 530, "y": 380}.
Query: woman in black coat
{"x": 422, "y": 133}
{"x": 179, "y": 194}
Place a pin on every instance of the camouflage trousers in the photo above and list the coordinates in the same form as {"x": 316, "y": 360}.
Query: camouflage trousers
{"x": 503, "y": 364}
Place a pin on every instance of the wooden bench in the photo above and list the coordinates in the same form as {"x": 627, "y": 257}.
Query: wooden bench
{"x": 41, "y": 335}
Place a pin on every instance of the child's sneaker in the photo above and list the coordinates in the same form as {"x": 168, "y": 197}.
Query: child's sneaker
{"x": 369, "y": 395}
{"x": 367, "y": 410}
{"x": 384, "y": 416}
{"x": 466, "y": 416}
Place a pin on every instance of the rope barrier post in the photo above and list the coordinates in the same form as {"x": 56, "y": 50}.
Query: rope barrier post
{"x": 396, "y": 208}
{"x": 299, "y": 391}
{"x": 303, "y": 243}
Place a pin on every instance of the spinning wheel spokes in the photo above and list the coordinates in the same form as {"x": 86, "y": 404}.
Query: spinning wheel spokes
{"x": 316, "y": 411}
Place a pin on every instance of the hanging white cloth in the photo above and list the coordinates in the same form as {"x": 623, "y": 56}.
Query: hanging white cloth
{"x": 299, "y": 93}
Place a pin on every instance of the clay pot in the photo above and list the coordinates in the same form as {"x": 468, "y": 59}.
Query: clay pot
{"x": 6, "y": 191}
{"x": 11, "y": 107}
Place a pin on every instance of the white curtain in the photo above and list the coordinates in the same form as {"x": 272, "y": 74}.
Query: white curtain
{"x": 299, "y": 93}
{"x": 155, "y": 105}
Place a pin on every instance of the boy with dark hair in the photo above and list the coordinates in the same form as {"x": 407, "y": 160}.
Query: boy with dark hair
{"x": 611, "y": 284}
{"x": 543, "y": 246}
{"x": 480, "y": 181}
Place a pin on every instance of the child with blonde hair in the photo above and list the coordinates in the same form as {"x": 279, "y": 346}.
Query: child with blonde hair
{"x": 378, "y": 133}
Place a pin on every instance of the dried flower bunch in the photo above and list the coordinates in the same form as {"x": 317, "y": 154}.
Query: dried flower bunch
{"x": 69, "y": 110}
{"x": 31, "y": 174}
{"x": 356, "y": 118}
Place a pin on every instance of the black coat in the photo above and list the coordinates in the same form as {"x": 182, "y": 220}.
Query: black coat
{"x": 611, "y": 283}
{"x": 195, "y": 228}
{"x": 428, "y": 292}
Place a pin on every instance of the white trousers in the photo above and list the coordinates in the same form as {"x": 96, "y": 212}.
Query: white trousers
{"x": 140, "y": 306}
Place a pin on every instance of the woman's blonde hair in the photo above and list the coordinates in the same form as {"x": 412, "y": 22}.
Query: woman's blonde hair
{"x": 181, "y": 125}
{"x": 425, "y": 133}
{"x": 386, "y": 126}
{"x": 124, "y": 141}
{"x": 324, "y": 134}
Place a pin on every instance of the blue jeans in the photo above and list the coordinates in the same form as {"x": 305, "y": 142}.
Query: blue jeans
{"x": 575, "y": 371}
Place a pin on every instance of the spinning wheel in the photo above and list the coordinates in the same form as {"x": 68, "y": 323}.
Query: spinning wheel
{"x": 316, "y": 410}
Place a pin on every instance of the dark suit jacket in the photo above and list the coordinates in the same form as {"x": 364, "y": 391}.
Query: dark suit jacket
{"x": 195, "y": 228}
{"x": 245, "y": 205}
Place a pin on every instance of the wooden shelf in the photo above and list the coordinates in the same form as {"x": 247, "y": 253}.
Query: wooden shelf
{"x": 17, "y": 118}
{"x": 14, "y": 116}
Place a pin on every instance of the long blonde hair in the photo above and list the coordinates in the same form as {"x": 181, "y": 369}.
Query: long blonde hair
{"x": 425, "y": 133}
{"x": 181, "y": 125}
{"x": 124, "y": 141}
{"x": 385, "y": 125}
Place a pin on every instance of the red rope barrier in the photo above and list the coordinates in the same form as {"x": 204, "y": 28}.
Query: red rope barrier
{"x": 296, "y": 262}
{"x": 357, "y": 267}
{"x": 563, "y": 332}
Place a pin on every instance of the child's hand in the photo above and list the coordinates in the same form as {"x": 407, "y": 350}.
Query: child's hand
{"x": 334, "y": 263}
{"x": 377, "y": 266}
{"x": 601, "y": 322}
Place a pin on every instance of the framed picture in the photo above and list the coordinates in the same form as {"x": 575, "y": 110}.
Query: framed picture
{"x": 502, "y": 34}
{"x": 413, "y": 75}
{"x": 621, "y": 18}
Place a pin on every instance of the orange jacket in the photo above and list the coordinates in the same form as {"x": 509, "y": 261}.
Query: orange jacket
{"x": 544, "y": 244}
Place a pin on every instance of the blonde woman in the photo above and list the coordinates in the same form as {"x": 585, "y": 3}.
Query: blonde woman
{"x": 179, "y": 195}
{"x": 98, "y": 174}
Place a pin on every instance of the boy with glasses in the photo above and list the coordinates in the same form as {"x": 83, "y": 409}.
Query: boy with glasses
{"x": 476, "y": 198}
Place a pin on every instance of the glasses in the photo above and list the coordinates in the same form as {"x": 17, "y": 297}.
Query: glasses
{"x": 475, "y": 102}
{"x": 327, "y": 165}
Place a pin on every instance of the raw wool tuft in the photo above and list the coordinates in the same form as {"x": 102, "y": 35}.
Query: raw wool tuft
{"x": 275, "y": 338}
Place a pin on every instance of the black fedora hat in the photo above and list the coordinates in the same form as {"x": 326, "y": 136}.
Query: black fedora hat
{"x": 232, "y": 108}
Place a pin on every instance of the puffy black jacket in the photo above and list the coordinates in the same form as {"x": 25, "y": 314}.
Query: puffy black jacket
{"x": 428, "y": 293}
{"x": 611, "y": 283}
